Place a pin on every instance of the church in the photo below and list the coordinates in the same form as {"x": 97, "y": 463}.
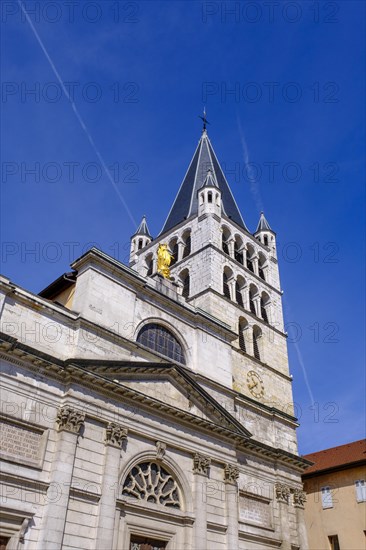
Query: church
{"x": 149, "y": 406}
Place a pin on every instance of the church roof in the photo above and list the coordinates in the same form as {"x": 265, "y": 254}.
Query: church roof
{"x": 142, "y": 228}
{"x": 186, "y": 201}
{"x": 263, "y": 225}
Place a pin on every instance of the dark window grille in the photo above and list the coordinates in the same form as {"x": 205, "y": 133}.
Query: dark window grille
{"x": 186, "y": 282}
{"x": 187, "y": 247}
{"x": 256, "y": 347}
{"x": 160, "y": 339}
{"x": 226, "y": 288}
{"x": 239, "y": 297}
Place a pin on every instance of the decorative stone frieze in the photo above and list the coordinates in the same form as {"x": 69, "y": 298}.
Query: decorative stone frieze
{"x": 69, "y": 419}
{"x": 299, "y": 498}
{"x": 201, "y": 464}
{"x": 115, "y": 435}
{"x": 160, "y": 449}
{"x": 231, "y": 473}
{"x": 282, "y": 492}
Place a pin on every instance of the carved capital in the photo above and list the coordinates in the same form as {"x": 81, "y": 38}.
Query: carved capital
{"x": 115, "y": 435}
{"x": 160, "y": 449}
{"x": 282, "y": 492}
{"x": 231, "y": 473}
{"x": 299, "y": 498}
{"x": 69, "y": 419}
{"x": 201, "y": 464}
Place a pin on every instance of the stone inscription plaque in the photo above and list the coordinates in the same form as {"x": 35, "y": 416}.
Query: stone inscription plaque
{"x": 21, "y": 443}
{"x": 253, "y": 509}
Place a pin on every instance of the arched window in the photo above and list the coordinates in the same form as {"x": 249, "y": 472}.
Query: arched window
{"x": 252, "y": 293}
{"x": 265, "y": 238}
{"x": 238, "y": 254}
{"x": 140, "y": 244}
{"x": 187, "y": 244}
{"x": 184, "y": 277}
{"x": 151, "y": 482}
{"x": 256, "y": 335}
{"x": 149, "y": 265}
{"x": 209, "y": 196}
{"x": 243, "y": 325}
{"x": 225, "y": 238}
{"x": 173, "y": 246}
{"x": 264, "y": 307}
{"x": 160, "y": 339}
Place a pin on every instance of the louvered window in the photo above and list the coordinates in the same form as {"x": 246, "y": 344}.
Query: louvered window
{"x": 185, "y": 292}
{"x": 256, "y": 347}
{"x": 264, "y": 311}
{"x": 187, "y": 247}
{"x": 237, "y": 254}
{"x": 174, "y": 254}
{"x": 149, "y": 268}
{"x": 242, "y": 339}
{"x": 226, "y": 288}
{"x": 239, "y": 297}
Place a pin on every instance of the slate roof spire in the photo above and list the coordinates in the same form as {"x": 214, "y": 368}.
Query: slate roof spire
{"x": 263, "y": 225}
{"x": 186, "y": 202}
{"x": 143, "y": 229}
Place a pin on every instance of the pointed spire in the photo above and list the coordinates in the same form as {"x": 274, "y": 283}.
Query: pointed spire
{"x": 186, "y": 202}
{"x": 210, "y": 180}
{"x": 263, "y": 225}
{"x": 143, "y": 229}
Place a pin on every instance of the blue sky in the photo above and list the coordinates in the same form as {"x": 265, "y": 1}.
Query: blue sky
{"x": 283, "y": 84}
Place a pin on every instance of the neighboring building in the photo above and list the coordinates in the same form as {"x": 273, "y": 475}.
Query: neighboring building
{"x": 140, "y": 412}
{"x": 335, "y": 510}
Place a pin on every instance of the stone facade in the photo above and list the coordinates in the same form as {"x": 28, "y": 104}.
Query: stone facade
{"x": 108, "y": 442}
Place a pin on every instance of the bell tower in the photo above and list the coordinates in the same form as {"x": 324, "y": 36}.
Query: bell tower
{"x": 222, "y": 268}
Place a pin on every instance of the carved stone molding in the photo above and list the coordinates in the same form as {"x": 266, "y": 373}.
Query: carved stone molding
{"x": 231, "y": 473}
{"x": 201, "y": 464}
{"x": 115, "y": 435}
{"x": 282, "y": 492}
{"x": 299, "y": 498}
{"x": 160, "y": 449}
{"x": 69, "y": 419}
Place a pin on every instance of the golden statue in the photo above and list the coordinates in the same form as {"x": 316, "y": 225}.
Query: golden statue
{"x": 164, "y": 260}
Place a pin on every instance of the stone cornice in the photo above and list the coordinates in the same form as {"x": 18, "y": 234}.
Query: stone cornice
{"x": 70, "y": 372}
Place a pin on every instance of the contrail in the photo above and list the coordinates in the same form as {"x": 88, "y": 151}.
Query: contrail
{"x": 254, "y": 185}
{"x": 300, "y": 358}
{"x": 78, "y": 116}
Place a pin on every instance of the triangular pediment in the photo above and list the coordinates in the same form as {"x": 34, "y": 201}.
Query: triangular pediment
{"x": 166, "y": 386}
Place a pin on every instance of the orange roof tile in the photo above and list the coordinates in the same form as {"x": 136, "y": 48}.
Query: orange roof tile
{"x": 337, "y": 457}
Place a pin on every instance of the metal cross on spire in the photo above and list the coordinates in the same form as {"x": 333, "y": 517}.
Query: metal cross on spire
{"x": 204, "y": 119}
